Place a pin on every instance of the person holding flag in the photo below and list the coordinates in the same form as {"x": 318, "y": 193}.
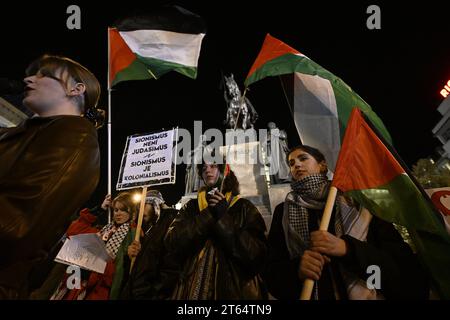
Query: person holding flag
{"x": 216, "y": 245}
{"x": 337, "y": 259}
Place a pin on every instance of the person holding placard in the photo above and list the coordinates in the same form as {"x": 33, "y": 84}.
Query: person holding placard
{"x": 337, "y": 259}
{"x": 145, "y": 279}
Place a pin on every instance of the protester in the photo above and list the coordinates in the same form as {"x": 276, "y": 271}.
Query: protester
{"x": 216, "y": 245}
{"x": 145, "y": 279}
{"x": 117, "y": 236}
{"x": 337, "y": 259}
{"x": 49, "y": 166}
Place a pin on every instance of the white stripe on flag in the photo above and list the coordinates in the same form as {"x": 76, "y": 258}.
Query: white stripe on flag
{"x": 316, "y": 116}
{"x": 181, "y": 48}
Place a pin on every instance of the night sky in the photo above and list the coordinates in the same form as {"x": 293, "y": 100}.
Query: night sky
{"x": 399, "y": 70}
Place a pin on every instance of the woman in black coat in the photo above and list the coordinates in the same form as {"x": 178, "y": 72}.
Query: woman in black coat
{"x": 341, "y": 259}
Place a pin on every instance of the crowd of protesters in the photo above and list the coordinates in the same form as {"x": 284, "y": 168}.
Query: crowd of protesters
{"x": 215, "y": 247}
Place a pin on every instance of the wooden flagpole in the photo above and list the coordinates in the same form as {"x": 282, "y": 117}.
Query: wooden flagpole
{"x": 140, "y": 219}
{"x": 308, "y": 285}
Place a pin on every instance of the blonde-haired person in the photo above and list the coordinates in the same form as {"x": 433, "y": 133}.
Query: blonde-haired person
{"x": 49, "y": 166}
{"x": 117, "y": 236}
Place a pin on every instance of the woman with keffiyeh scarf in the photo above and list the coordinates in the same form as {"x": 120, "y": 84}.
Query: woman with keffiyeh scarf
{"x": 117, "y": 236}
{"x": 336, "y": 259}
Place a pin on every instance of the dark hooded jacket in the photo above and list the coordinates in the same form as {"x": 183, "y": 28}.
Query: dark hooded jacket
{"x": 144, "y": 282}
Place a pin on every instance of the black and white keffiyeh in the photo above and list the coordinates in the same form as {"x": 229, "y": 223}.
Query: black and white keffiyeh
{"x": 310, "y": 193}
{"x": 113, "y": 236}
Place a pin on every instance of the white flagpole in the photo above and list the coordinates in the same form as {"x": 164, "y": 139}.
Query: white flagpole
{"x": 109, "y": 125}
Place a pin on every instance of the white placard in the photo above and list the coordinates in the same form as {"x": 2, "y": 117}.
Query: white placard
{"x": 147, "y": 160}
{"x": 87, "y": 251}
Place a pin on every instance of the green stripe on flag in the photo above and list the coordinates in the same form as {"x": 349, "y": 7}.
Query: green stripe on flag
{"x": 135, "y": 71}
{"x": 346, "y": 98}
{"x": 149, "y": 68}
{"x": 402, "y": 203}
{"x": 434, "y": 254}
{"x": 160, "y": 67}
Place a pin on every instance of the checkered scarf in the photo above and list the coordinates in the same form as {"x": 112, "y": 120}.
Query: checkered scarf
{"x": 311, "y": 193}
{"x": 308, "y": 193}
{"x": 113, "y": 236}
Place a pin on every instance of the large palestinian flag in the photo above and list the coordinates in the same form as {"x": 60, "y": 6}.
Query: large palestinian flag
{"x": 320, "y": 102}
{"x": 146, "y": 47}
{"x": 369, "y": 173}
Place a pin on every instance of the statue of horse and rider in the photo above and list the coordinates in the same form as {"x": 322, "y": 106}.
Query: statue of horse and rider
{"x": 247, "y": 114}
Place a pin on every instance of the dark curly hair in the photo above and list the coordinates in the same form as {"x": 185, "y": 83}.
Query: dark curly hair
{"x": 315, "y": 153}
{"x": 231, "y": 182}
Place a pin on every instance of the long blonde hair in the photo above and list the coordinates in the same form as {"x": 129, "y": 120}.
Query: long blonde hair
{"x": 126, "y": 199}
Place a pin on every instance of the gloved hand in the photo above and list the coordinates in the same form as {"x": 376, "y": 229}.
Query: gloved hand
{"x": 219, "y": 209}
{"x": 218, "y": 205}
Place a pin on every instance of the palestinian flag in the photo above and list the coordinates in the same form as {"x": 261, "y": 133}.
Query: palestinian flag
{"x": 146, "y": 47}
{"x": 226, "y": 170}
{"x": 369, "y": 173}
{"x": 320, "y": 102}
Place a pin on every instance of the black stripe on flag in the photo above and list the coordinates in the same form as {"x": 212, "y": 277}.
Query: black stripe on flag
{"x": 167, "y": 18}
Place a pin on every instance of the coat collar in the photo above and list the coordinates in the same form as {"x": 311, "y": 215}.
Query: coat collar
{"x": 7, "y": 133}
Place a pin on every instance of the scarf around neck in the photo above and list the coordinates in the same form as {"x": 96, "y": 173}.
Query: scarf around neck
{"x": 113, "y": 236}
{"x": 307, "y": 193}
{"x": 308, "y": 196}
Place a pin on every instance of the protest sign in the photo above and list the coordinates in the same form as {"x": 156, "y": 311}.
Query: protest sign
{"x": 147, "y": 160}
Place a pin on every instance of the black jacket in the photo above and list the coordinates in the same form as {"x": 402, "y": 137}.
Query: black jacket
{"x": 238, "y": 238}
{"x": 144, "y": 282}
{"x": 49, "y": 168}
{"x": 402, "y": 276}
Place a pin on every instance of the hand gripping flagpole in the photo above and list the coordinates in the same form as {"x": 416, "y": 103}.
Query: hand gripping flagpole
{"x": 241, "y": 101}
{"x": 109, "y": 124}
{"x": 308, "y": 285}
{"x": 139, "y": 224}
